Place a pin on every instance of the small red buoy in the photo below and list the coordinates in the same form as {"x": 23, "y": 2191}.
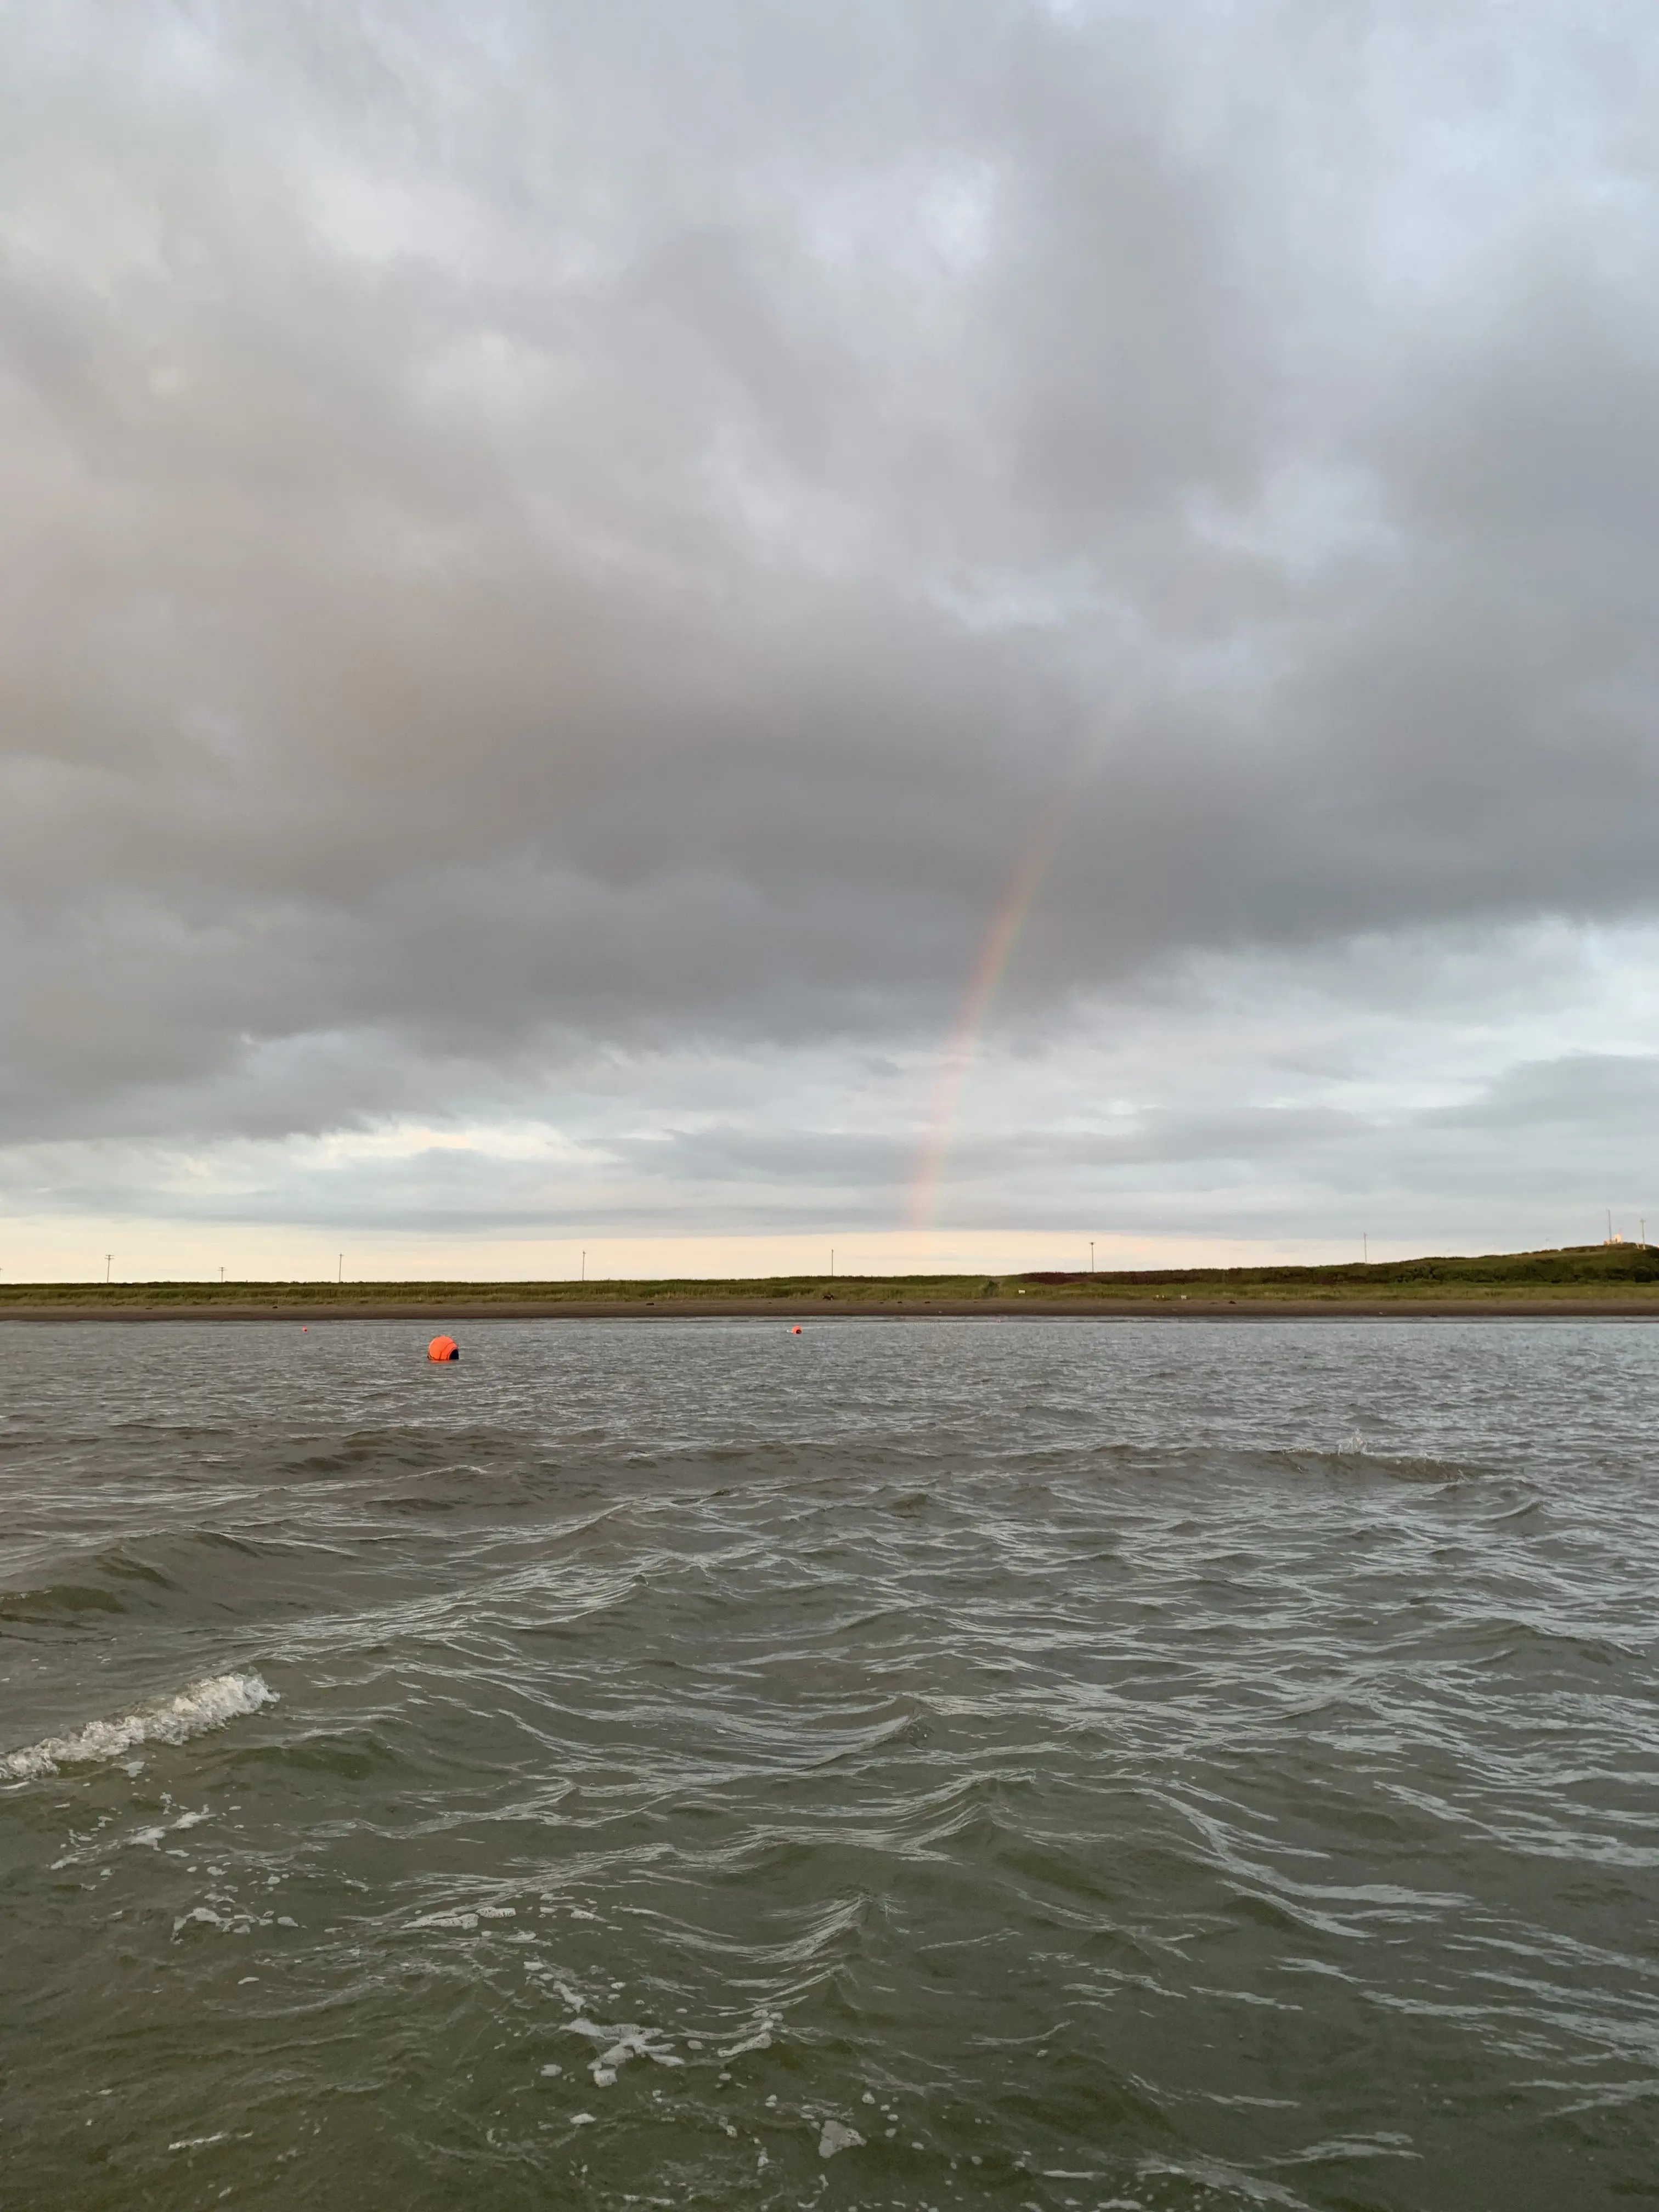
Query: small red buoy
{"x": 796, "y": 1330}
{"x": 443, "y": 1348}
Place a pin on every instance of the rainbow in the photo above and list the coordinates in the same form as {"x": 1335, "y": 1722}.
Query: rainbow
{"x": 996, "y": 947}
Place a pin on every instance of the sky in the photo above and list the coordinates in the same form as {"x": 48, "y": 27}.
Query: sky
{"x": 952, "y": 630}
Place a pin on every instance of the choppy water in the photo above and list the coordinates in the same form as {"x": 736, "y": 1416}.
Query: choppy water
{"x": 1139, "y": 1765}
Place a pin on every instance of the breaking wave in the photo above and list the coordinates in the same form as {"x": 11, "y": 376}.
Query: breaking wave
{"x": 208, "y": 1703}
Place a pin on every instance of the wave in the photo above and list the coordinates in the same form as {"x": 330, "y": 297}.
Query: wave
{"x": 208, "y": 1703}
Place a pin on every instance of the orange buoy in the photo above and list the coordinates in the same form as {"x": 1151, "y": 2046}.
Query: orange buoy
{"x": 443, "y": 1348}
{"x": 796, "y": 1330}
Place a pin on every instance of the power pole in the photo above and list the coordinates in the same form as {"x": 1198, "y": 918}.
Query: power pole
{"x": 584, "y": 1267}
{"x": 832, "y": 1263}
{"x": 340, "y": 1278}
{"x": 107, "y": 1263}
{"x": 1091, "y": 1256}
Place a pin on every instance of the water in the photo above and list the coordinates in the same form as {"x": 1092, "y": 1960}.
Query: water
{"x": 907, "y": 1765}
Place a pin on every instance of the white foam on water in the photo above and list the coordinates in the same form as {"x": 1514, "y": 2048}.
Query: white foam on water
{"x": 205, "y": 1914}
{"x": 628, "y": 2039}
{"x": 837, "y": 2136}
{"x": 761, "y": 2040}
{"x": 208, "y": 1703}
{"x": 234, "y": 1920}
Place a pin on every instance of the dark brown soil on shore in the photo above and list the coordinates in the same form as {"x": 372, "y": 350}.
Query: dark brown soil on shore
{"x": 1589, "y": 1306}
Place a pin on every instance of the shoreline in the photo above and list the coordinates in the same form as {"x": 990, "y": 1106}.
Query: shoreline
{"x": 1591, "y": 1308}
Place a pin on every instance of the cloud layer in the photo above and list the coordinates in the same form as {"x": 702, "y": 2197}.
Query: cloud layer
{"x": 562, "y": 556}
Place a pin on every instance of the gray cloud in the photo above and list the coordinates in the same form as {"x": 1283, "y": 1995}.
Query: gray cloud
{"x": 571, "y": 532}
{"x": 1533, "y": 1157}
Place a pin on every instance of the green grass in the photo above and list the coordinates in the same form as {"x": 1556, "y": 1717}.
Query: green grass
{"x": 1583, "y": 1267}
{"x": 1587, "y": 1271}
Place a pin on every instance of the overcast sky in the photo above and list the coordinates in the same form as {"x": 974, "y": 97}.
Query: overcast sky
{"x": 575, "y": 575}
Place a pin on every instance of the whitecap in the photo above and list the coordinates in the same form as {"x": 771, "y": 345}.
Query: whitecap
{"x": 626, "y": 2041}
{"x": 760, "y": 2040}
{"x": 205, "y": 1705}
{"x": 205, "y": 1914}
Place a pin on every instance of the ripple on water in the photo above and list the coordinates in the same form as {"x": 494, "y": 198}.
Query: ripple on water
{"x": 1006, "y": 1767}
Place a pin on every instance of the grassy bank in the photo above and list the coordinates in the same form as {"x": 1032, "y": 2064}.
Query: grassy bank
{"x": 1589, "y": 1273}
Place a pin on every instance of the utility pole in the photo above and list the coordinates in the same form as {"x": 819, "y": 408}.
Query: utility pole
{"x": 107, "y": 1263}
{"x": 1091, "y": 1256}
{"x": 832, "y": 1263}
{"x": 340, "y": 1278}
{"x": 584, "y": 1267}
{"x": 221, "y": 1274}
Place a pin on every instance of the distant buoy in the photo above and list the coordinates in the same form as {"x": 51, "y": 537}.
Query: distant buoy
{"x": 796, "y": 1330}
{"x": 443, "y": 1348}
